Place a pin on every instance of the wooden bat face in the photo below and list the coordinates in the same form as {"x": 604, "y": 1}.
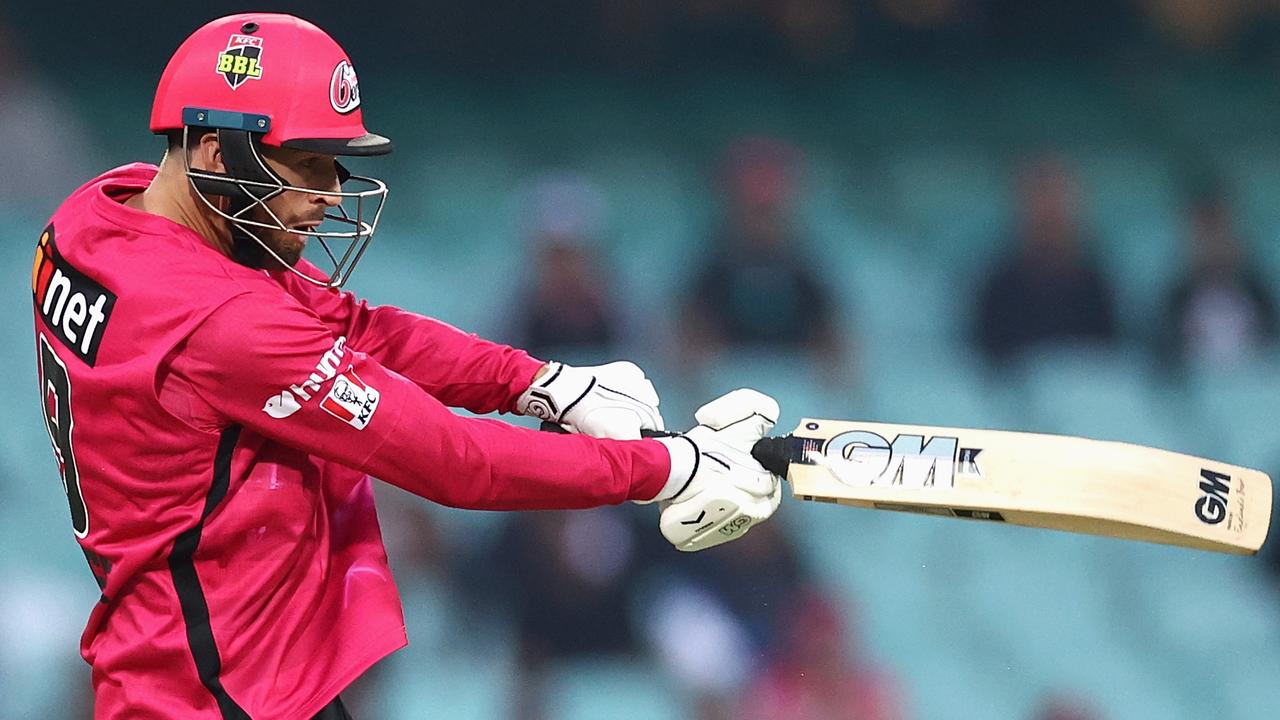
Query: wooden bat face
{"x": 1050, "y": 481}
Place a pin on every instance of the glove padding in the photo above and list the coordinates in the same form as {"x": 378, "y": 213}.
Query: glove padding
{"x": 606, "y": 401}
{"x": 728, "y": 490}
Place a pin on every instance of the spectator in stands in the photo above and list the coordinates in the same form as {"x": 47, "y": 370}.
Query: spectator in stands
{"x": 427, "y": 561}
{"x": 577, "y": 573}
{"x": 1221, "y": 308}
{"x": 47, "y": 153}
{"x": 1049, "y": 290}
{"x": 758, "y": 289}
{"x": 567, "y": 309}
{"x": 813, "y": 673}
{"x": 1202, "y": 26}
{"x": 756, "y": 603}
{"x": 733, "y": 624}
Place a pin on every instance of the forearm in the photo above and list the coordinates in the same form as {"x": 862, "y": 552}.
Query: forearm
{"x": 487, "y": 464}
{"x": 358, "y": 412}
{"x": 459, "y": 369}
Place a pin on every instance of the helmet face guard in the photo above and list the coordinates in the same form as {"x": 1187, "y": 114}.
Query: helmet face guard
{"x": 267, "y": 79}
{"x": 249, "y": 182}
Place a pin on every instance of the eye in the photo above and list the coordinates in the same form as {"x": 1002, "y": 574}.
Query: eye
{"x": 320, "y": 165}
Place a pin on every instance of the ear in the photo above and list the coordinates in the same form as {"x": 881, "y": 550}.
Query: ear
{"x": 206, "y": 151}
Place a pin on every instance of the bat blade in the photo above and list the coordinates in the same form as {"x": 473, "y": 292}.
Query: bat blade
{"x": 1058, "y": 482}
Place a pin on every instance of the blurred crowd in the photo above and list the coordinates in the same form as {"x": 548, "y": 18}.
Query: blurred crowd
{"x": 827, "y": 33}
{"x": 648, "y": 36}
{"x": 583, "y": 587}
{"x": 757, "y": 285}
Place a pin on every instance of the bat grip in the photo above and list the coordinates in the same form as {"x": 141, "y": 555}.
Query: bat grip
{"x": 548, "y": 426}
{"x": 774, "y": 453}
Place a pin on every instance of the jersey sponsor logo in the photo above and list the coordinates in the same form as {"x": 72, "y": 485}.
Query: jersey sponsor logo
{"x": 74, "y": 306}
{"x": 351, "y": 400}
{"x": 286, "y": 402}
{"x": 241, "y": 60}
{"x": 282, "y": 406}
{"x": 344, "y": 89}
{"x": 1211, "y": 507}
{"x": 862, "y": 458}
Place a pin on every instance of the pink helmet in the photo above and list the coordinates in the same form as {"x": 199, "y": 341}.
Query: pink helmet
{"x": 278, "y": 80}
{"x": 268, "y": 66}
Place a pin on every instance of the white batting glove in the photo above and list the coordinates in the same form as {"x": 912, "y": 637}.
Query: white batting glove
{"x": 726, "y": 490}
{"x": 606, "y": 401}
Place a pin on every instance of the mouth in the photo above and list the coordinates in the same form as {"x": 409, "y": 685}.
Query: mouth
{"x": 305, "y": 226}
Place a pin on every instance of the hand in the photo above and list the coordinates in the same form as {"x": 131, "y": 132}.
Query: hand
{"x": 607, "y": 401}
{"x": 727, "y": 491}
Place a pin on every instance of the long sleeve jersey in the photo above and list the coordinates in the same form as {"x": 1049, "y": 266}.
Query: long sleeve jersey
{"x": 215, "y": 428}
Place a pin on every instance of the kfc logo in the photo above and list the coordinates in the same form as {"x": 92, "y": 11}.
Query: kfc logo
{"x": 351, "y": 400}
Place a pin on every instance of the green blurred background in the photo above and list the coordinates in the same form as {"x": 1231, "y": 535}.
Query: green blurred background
{"x": 909, "y": 149}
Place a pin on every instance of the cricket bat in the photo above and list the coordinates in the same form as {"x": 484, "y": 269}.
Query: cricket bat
{"x": 1095, "y": 487}
{"x": 1048, "y": 481}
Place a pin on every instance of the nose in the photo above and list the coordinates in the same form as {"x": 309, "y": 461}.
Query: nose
{"x": 327, "y": 199}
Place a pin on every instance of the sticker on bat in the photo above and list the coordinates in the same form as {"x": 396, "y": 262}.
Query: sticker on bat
{"x": 1211, "y": 507}
{"x": 861, "y": 458}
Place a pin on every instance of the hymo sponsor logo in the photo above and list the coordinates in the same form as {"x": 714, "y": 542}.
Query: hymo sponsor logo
{"x": 282, "y": 405}
{"x": 863, "y": 458}
{"x": 286, "y": 402}
{"x": 1211, "y": 507}
{"x": 74, "y": 306}
{"x": 351, "y": 400}
{"x": 326, "y": 368}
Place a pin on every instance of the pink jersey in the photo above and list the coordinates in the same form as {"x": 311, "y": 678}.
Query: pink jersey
{"x": 215, "y": 427}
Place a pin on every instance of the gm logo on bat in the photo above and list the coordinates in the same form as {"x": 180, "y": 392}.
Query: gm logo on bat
{"x": 1211, "y": 507}
{"x": 864, "y": 458}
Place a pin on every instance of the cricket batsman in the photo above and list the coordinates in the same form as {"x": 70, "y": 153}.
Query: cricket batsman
{"x": 217, "y": 404}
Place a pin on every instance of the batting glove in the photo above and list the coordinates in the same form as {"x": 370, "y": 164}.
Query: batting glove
{"x": 607, "y": 401}
{"x": 726, "y": 491}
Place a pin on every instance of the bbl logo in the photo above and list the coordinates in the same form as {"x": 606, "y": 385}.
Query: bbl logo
{"x": 242, "y": 60}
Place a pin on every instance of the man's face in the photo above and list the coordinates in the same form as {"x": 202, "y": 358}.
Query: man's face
{"x": 298, "y": 210}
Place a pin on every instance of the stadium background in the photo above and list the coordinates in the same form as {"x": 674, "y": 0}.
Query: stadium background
{"x": 912, "y": 117}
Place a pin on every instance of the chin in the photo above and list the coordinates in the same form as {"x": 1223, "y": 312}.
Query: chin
{"x": 290, "y": 251}
{"x": 286, "y": 261}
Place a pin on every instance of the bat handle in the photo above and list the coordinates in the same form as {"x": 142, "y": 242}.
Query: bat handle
{"x": 774, "y": 453}
{"x": 548, "y": 426}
